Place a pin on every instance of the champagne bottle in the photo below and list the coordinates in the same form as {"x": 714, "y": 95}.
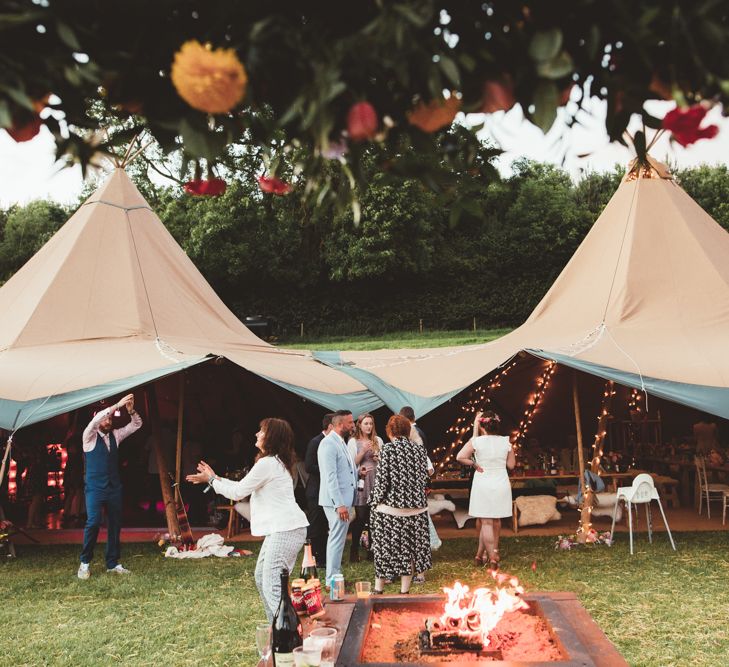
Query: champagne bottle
{"x": 308, "y": 565}
{"x": 553, "y": 466}
{"x": 286, "y": 631}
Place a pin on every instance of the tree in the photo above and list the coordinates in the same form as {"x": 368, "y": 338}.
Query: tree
{"x": 709, "y": 187}
{"x": 26, "y": 229}
{"x": 330, "y": 77}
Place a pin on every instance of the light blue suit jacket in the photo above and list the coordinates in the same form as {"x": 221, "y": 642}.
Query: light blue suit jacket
{"x": 337, "y": 471}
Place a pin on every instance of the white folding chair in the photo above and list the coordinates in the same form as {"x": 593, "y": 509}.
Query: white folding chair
{"x": 707, "y": 490}
{"x": 642, "y": 491}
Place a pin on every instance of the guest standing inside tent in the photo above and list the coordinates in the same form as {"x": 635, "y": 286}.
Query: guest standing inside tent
{"x": 274, "y": 511}
{"x": 490, "y": 454}
{"x": 103, "y": 486}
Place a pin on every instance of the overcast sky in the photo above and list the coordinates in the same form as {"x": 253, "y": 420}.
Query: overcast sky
{"x": 27, "y": 171}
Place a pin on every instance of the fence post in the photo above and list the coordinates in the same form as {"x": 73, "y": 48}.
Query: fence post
{"x": 302, "y": 330}
{"x": 421, "y": 325}
{"x": 474, "y": 324}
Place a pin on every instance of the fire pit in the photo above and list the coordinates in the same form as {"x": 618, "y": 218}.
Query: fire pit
{"x": 550, "y": 628}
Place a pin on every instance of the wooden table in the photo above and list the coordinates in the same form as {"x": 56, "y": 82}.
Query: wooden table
{"x": 685, "y": 471}
{"x": 337, "y": 616}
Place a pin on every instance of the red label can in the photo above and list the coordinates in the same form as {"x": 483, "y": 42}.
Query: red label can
{"x": 297, "y": 596}
{"x": 313, "y": 598}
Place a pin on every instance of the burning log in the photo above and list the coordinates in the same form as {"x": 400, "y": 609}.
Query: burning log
{"x": 468, "y": 617}
{"x": 456, "y": 635}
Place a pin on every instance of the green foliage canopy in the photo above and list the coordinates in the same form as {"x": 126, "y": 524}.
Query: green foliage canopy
{"x": 308, "y": 62}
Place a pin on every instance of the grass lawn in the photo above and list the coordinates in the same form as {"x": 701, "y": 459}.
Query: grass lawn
{"x": 400, "y": 339}
{"x": 658, "y": 607}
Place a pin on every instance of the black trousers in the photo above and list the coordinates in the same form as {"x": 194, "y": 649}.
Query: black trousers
{"x": 361, "y": 521}
{"x": 318, "y": 530}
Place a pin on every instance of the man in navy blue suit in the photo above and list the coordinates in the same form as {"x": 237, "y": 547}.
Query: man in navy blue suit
{"x": 103, "y": 486}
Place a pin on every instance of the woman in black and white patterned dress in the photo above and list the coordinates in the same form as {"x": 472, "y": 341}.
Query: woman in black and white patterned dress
{"x": 399, "y": 519}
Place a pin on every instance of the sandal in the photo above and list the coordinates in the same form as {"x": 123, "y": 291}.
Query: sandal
{"x": 478, "y": 561}
{"x": 494, "y": 560}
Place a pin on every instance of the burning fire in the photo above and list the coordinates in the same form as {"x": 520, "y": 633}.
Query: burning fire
{"x": 481, "y": 610}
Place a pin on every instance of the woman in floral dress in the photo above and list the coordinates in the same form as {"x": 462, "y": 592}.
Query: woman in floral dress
{"x": 398, "y": 517}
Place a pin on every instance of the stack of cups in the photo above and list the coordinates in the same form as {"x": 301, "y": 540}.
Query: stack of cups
{"x": 307, "y": 656}
{"x": 325, "y": 640}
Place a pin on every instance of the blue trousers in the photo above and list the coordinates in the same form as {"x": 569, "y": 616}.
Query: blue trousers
{"x": 96, "y": 500}
{"x": 335, "y": 541}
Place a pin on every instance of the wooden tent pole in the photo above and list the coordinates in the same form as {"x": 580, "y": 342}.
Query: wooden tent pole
{"x": 587, "y": 495}
{"x": 129, "y": 149}
{"x": 168, "y": 498}
{"x": 180, "y": 415}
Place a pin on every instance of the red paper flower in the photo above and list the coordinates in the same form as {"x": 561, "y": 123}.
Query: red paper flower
{"x": 434, "y": 115}
{"x": 534, "y": 566}
{"x": 274, "y": 186}
{"x": 199, "y": 187}
{"x": 25, "y": 132}
{"x": 362, "y": 122}
{"x": 684, "y": 125}
{"x": 498, "y": 94}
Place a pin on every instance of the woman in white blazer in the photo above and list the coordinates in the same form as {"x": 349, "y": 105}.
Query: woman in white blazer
{"x": 274, "y": 512}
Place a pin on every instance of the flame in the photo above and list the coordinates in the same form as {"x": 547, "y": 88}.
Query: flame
{"x": 482, "y": 609}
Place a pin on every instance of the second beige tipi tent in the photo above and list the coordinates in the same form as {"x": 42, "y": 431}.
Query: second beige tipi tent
{"x": 644, "y": 301}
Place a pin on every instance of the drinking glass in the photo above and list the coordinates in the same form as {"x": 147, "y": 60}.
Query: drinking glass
{"x": 326, "y": 639}
{"x": 363, "y": 588}
{"x": 263, "y": 641}
{"x": 307, "y": 657}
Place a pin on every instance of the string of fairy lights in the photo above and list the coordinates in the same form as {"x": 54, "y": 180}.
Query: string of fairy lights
{"x": 585, "y": 524}
{"x": 520, "y": 435}
{"x": 602, "y": 420}
{"x": 478, "y": 399}
{"x": 635, "y": 401}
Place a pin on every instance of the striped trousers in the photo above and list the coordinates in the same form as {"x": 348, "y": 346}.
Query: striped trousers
{"x": 279, "y": 550}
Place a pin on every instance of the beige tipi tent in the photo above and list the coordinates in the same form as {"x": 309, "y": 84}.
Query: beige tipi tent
{"x": 644, "y": 301}
{"x": 112, "y": 302}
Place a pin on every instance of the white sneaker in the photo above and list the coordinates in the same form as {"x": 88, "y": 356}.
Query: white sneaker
{"x": 83, "y": 571}
{"x": 119, "y": 569}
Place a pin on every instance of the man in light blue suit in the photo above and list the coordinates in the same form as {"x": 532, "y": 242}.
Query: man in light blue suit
{"x": 338, "y": 486}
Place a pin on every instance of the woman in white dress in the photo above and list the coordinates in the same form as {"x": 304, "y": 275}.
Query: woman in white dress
{"x": 490, "y": 454}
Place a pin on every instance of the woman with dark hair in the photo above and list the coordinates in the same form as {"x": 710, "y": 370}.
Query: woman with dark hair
{"x": 364, "y": 448}
{"x": 274, "y": 512}
{"x": 398, "y": 517}
{"x": 490, "y": 454}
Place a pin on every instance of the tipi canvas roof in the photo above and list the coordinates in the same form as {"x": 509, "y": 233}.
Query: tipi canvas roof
{"x": 643, "y": 301}
{"x": 111, "y": 301}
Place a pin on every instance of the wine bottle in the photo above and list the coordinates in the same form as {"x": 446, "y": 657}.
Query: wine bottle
{"x": 308, "y": 565}
{"x": 286, "y": 631}
{"x": 552, "y": 466}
